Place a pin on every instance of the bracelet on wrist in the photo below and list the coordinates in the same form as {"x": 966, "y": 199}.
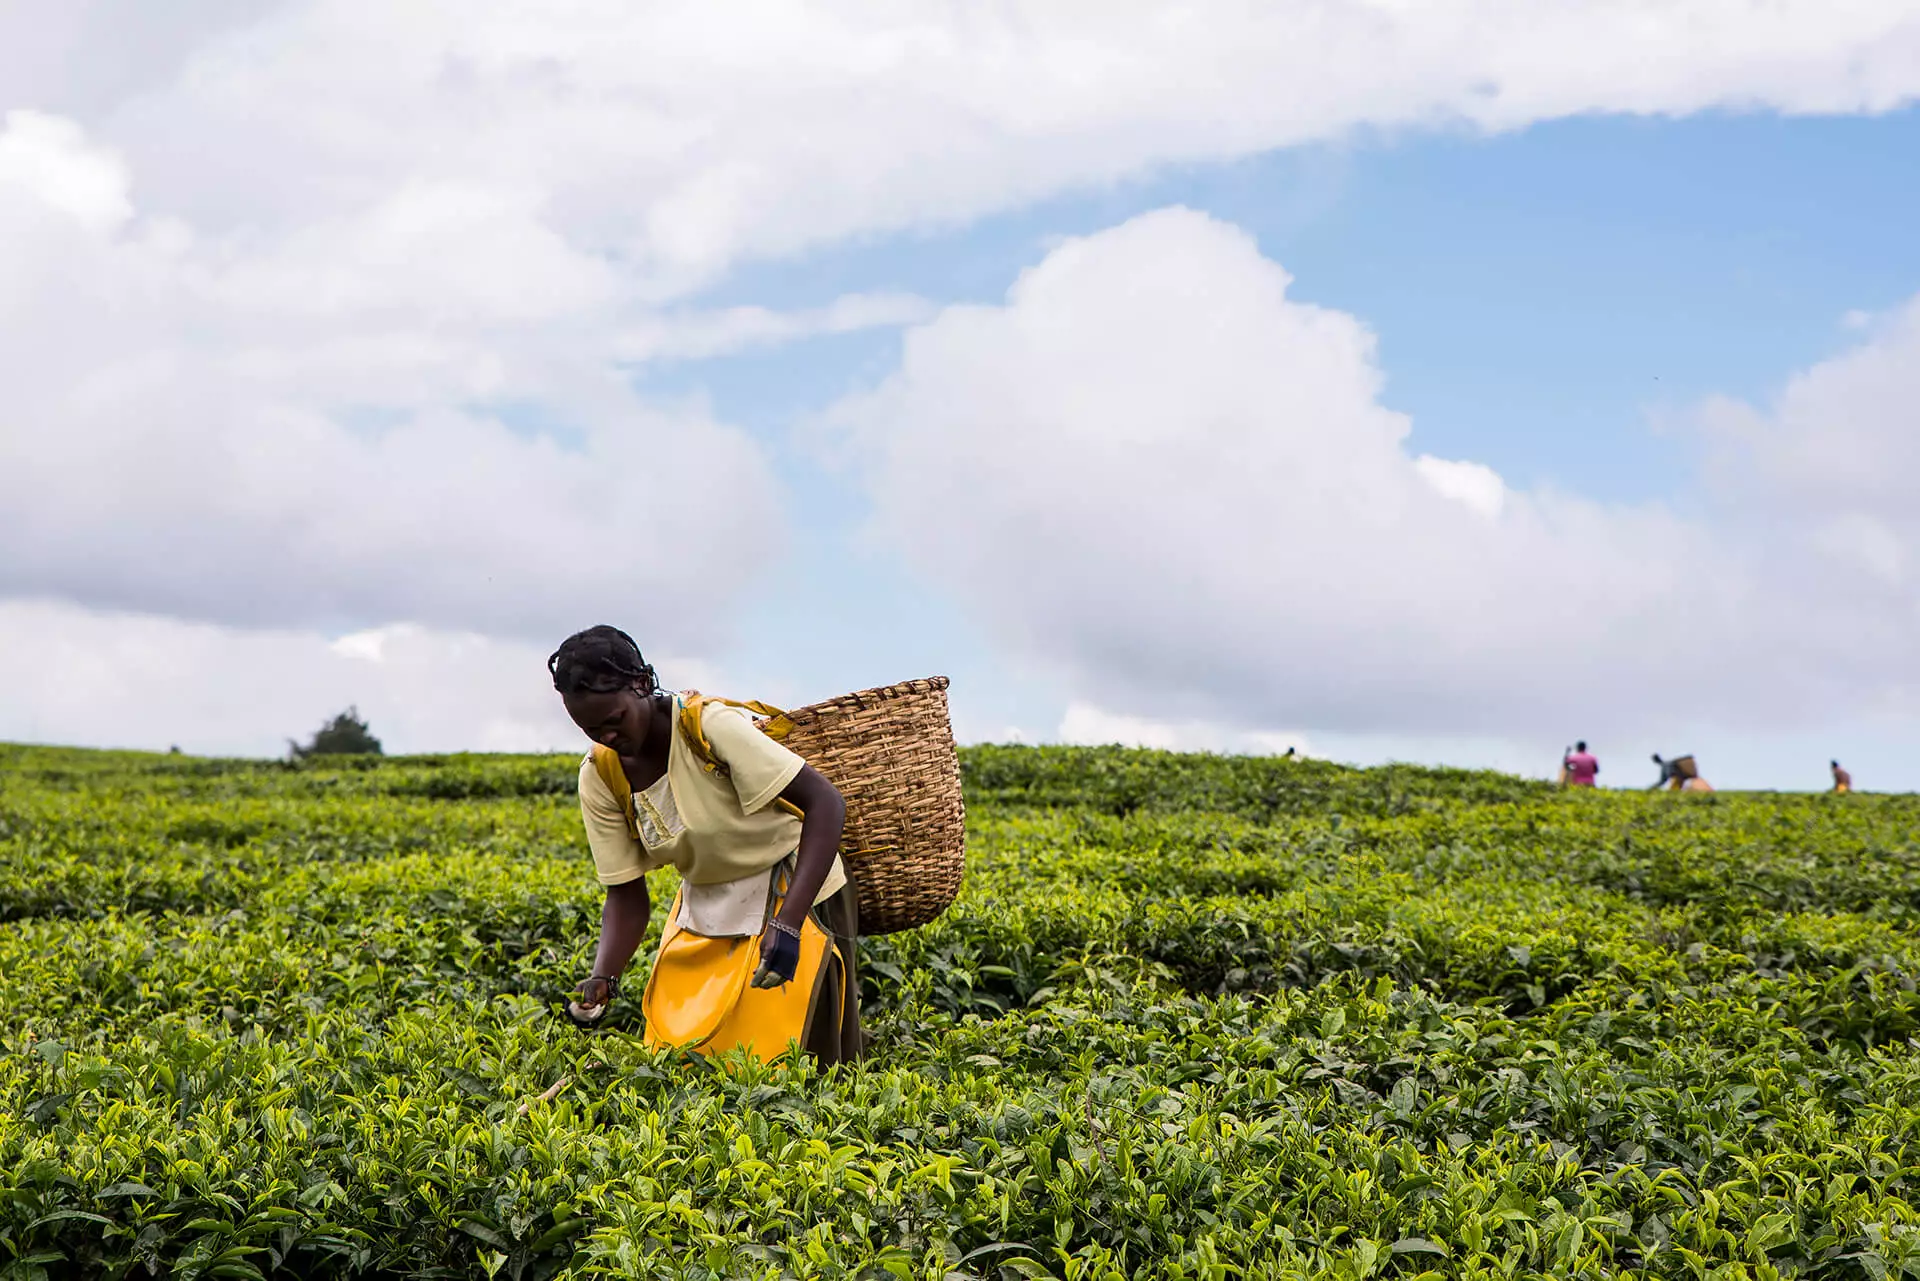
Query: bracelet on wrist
{"x": 611, "y": 980}
{"x": 783, "y": 927}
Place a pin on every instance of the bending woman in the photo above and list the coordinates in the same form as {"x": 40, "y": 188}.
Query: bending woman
{"x": 650, "y": 799}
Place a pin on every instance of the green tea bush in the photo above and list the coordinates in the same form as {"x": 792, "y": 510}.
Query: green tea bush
{"x": 1192, "y": 1017}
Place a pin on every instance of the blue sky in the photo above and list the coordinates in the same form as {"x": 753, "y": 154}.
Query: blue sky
{"x": 1395, "y": 383}
{"x": 1543, "y": 301}
{"x": 1536, "y": 293}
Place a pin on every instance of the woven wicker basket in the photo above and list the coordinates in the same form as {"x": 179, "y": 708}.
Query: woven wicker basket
{"x": 890, "y": 752}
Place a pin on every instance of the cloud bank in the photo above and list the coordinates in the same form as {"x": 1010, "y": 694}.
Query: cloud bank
{"x": 1178, "y": 487}
{"x": 129, "y": 680}
{"x": 324, "y": 318}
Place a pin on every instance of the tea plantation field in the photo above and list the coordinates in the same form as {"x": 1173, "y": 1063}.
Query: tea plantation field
{"x": 1192, "y": 1018}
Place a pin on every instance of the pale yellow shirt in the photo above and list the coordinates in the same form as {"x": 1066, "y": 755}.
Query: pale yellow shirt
{"x": 711, "y": 827}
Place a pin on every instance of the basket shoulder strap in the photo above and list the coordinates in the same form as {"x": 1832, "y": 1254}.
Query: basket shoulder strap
{"x": 774, "y": 725}
{"x": 772, "y": 722}
{"x": 692, "y": 731}
{"x": 606, "y": 763}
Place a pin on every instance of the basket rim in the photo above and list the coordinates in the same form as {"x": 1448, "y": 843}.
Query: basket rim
{"x": 859, "y": 698}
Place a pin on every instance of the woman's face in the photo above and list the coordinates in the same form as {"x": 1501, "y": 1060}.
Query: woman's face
{"x": 619, "y": 719}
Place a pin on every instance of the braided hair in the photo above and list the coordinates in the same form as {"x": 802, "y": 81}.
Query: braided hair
{"x": 600, "y": 660}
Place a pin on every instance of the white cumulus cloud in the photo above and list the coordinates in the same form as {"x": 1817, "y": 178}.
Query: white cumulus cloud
{"x": 324, "y": 436}
{"x": 1476, "y": 486}
{"x": 107, "y": 679}
{"x": 319, "y": 318}
{"x": 1841, "y": 439}
{"x": 1165, "y": 478}
{"x": 51, "y": 159}
{"x": 685, "y": 136}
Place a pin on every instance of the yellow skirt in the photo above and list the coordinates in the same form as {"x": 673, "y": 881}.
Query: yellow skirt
{"x": 701, "y": 997}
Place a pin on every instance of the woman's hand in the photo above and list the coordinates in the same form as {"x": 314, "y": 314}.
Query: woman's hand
{"x": 595, "y": 995}
{"x": 623, "y": 919}
{"x": 779, "y": 957}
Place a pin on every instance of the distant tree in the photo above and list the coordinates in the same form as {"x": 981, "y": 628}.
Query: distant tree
{"x": 344, "y": 735}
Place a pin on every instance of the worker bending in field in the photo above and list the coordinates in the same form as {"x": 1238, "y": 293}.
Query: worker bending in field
{"x": 754, "y": 832}
{"x": 1842, "y": 781}
{"x": 1679, "y": 775}
{"x": 1579, "y": 767}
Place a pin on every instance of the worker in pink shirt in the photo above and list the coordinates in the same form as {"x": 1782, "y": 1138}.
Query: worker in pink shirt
{"x": 1579, "y": 766}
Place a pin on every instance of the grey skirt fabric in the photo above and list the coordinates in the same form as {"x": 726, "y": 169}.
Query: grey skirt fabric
{"x": 833, "y": 1033}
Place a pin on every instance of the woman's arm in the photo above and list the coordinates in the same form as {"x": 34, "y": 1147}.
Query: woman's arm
{"x": 623, "y": 923}
{"x": 825, "y": 818}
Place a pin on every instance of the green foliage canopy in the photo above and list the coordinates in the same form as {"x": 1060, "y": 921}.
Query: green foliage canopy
{"x": 1192, "y": 1017}
{"x": 344, "y": 735}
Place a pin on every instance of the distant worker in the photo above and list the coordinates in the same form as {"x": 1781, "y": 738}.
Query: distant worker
{"x": 1842, "y": 781}
{"x": 1579, "y": 767}
{"x": 1679, "y": 775}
